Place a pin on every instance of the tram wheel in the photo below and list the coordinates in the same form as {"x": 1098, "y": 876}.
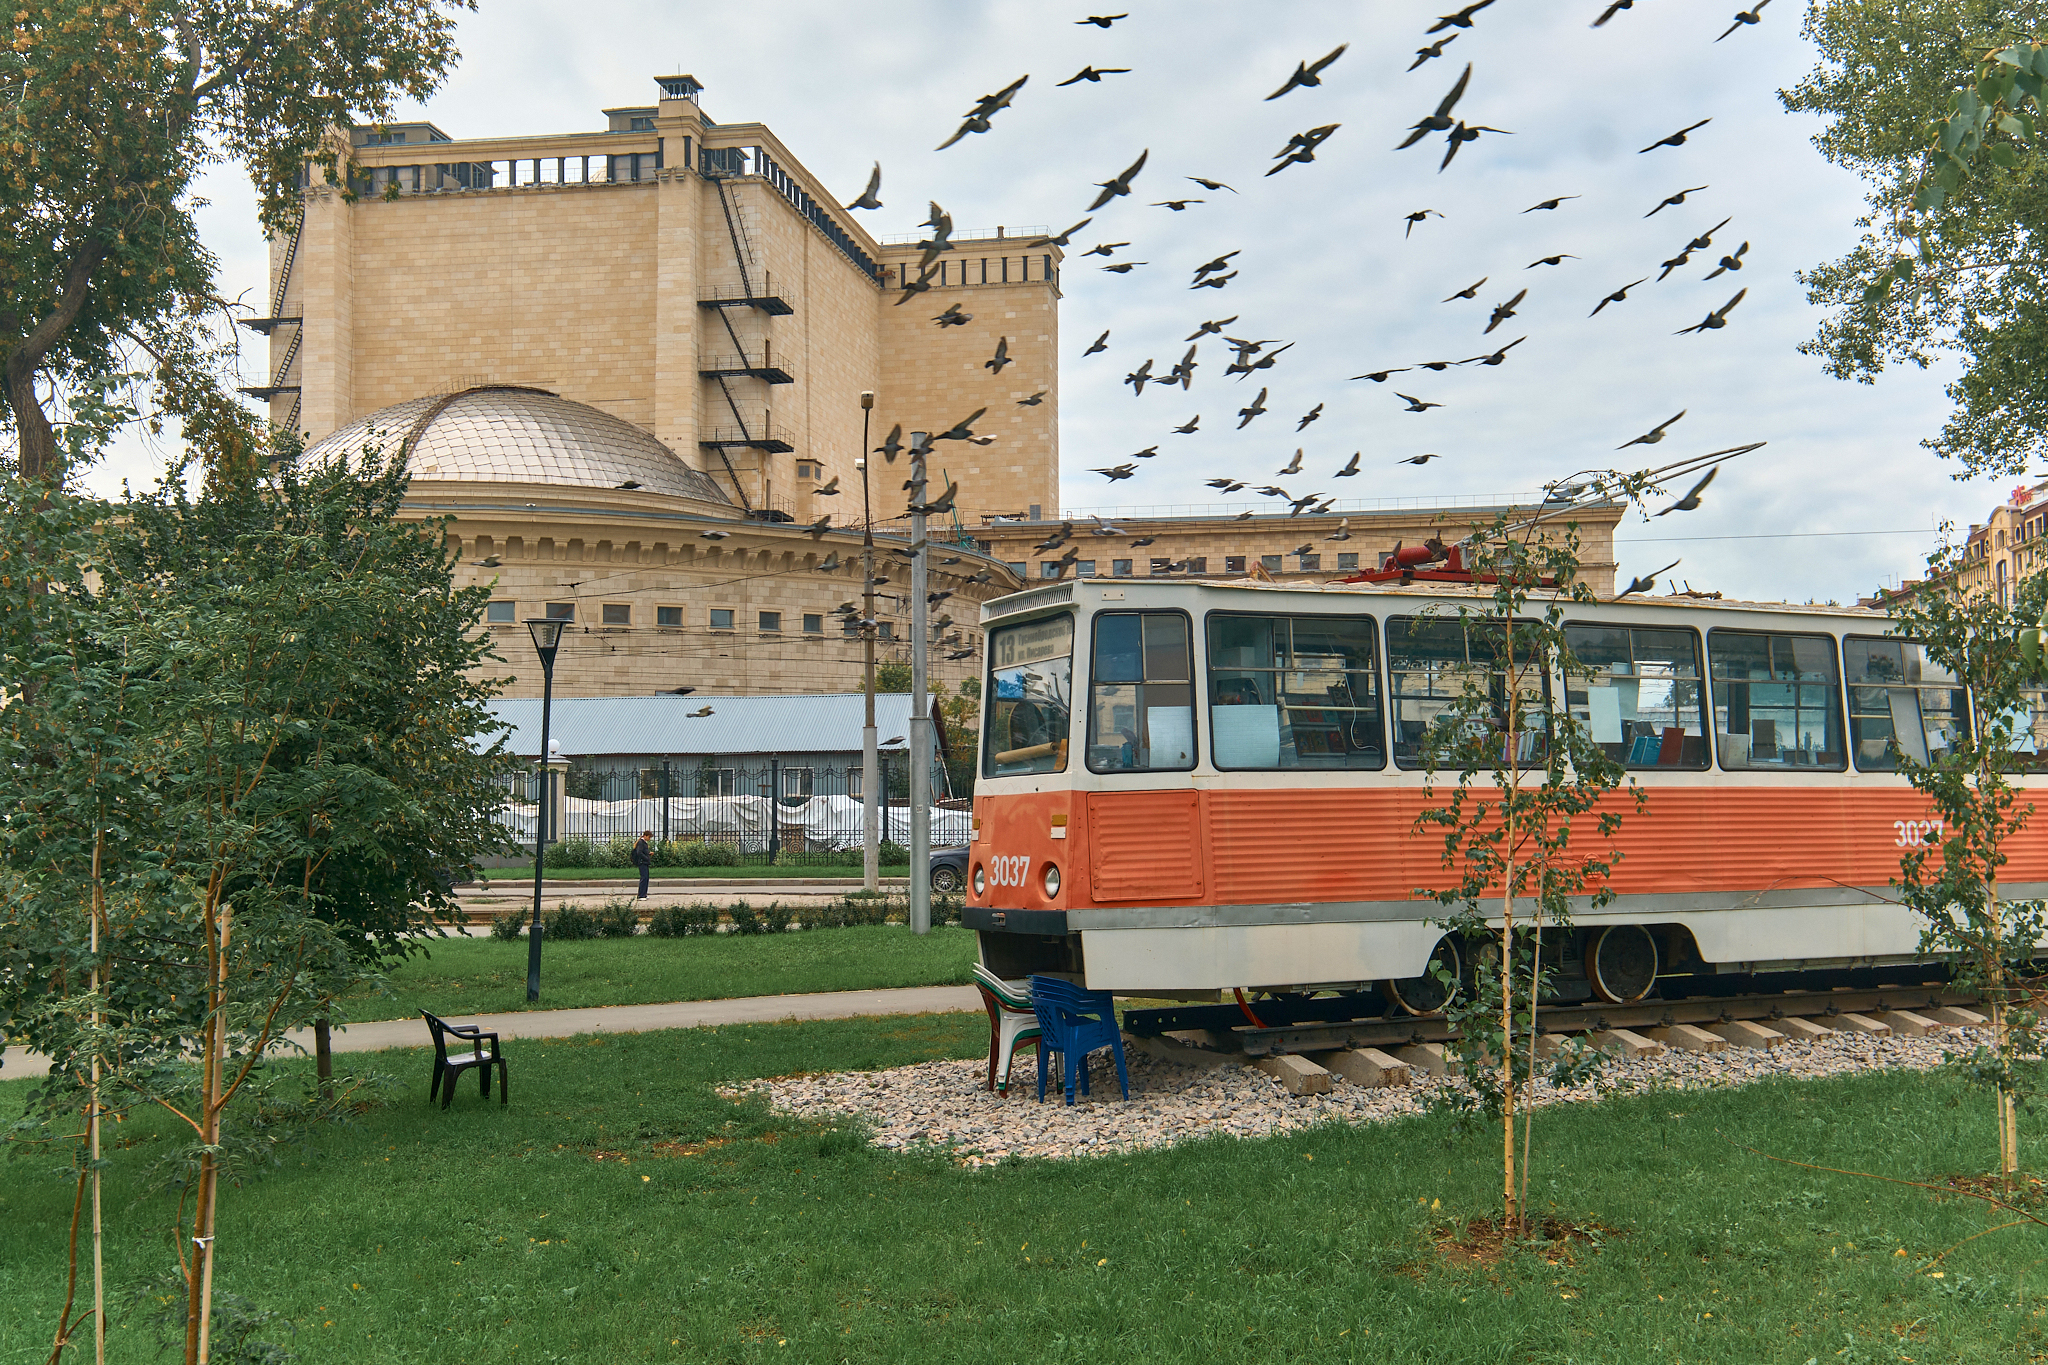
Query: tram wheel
{"x": 1621, "y": 963}
{"x": 1426, "y": 994}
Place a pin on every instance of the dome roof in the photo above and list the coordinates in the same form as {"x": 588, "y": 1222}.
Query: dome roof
{"x": 517, "y": 435}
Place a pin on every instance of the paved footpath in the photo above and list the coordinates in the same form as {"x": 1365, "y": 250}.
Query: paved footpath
{"x": 16, "y": 1062}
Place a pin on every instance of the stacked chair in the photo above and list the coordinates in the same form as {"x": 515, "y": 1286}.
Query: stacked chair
{"x": 1012, "y": 1024}
{"x": 1075, "y": 1022}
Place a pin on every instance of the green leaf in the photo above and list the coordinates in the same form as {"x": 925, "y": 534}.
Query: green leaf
{"x": 2007, "y": 123}
{"x": 1951, "y": 134}
{"x": 2003, "y": 155}
{"x": 2040, "y": 62}
{"x": 2011, "y": 56}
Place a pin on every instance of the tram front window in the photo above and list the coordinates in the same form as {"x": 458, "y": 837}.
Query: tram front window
{"x": 1638, "y": 694}
{"x": 1902, "y": 702}
{"x": 1294, "y": 692}
{"x": 1030, "y": 697}
{"x": 1141, "y": 705}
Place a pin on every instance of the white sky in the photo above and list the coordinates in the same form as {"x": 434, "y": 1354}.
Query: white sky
{"x": 1324, "y": 261}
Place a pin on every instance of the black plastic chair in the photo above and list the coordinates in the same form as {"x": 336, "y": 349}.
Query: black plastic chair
{"x": 447, "y": 1068}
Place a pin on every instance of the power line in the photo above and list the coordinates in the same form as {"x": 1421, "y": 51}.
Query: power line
{"x": 1777, "y": 535}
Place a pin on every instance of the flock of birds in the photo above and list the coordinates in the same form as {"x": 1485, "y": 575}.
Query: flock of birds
{"x": 1252, "y": 355}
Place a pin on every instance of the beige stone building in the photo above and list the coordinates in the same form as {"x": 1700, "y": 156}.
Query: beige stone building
{"x": 2011, "y": 544}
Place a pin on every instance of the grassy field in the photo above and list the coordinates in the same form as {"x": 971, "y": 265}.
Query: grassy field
{"x": 482, "y": 975}
{"x": 621, "y": 1210}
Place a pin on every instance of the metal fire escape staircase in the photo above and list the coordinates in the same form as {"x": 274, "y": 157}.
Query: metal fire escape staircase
{"x": 266, "y": 326}
{"x": 717, "y": 166}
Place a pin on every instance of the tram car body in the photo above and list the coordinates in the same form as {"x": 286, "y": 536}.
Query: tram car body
{"x": 1189, "y": 787}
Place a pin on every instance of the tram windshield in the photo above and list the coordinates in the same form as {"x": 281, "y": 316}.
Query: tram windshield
{"x": 1030, "y": 697}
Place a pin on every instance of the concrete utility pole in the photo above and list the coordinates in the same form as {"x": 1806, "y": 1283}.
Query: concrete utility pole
{"x": 920, "y": 704}
{"x": 870, "y": 761}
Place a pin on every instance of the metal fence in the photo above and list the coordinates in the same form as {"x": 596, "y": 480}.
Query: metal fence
{"x": 715, "y": 814}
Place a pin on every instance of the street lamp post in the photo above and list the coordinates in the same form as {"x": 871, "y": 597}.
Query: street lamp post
{"x": 547, "y": 638}
{"x": 869, "y": 759}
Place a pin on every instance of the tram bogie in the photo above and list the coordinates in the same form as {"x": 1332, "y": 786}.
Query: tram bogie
{"x": 1189, "y": 789}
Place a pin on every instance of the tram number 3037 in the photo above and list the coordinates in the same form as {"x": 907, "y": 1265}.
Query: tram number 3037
{"x": 1914, "y": 833}
{"x": 1008, "y": 871}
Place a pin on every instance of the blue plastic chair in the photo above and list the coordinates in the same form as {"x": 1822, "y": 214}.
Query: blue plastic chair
{"x": 1075, "y": 1022}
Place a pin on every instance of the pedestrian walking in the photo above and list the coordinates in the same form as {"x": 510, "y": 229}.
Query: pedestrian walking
{"x": 643, "y": 858}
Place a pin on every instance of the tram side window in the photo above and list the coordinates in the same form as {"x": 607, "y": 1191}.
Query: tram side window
{"x": 1777, "y": 700}
{"x": 1141, "y": 705}
{"x": 1030, "y": 690}
{"x": 1901, "y": 702}
{"x": 1294, "y": 692}
{"x": 1445, "y": 670}
{"x": 1638, "y": 693}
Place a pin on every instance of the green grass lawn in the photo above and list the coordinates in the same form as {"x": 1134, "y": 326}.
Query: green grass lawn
{"x": 620, "y": 1210}
{"x": 509, "y": 878}
{"x": 482, "y": 975}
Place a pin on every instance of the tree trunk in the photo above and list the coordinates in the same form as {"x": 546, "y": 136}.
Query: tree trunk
{"x": 38, "y": 444}
{"x": 323, "y": 1056}
{"x": 199, "y": 1296}
{"x": 1513, "y": 1206}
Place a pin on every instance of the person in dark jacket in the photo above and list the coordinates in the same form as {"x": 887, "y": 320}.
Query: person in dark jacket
{"x": 643, "y": 857}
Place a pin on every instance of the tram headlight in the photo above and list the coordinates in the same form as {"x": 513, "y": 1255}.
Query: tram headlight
{"x": 1052, "y": 880}
{"x": 980, "y": 881}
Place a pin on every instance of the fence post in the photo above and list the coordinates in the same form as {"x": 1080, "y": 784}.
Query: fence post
{"x": 774, "y": 809}
{"x": 664, "y": 800}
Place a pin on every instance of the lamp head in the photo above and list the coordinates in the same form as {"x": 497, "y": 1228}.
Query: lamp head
{"x": 547, "y": 634}
{"x": 867, "y": 399}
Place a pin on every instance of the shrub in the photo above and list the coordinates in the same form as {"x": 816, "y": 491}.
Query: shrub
{"x": 615, "y": 852}
{"x": 891, "y": 854}
{"x": 946, "y": 909}
{"x": 702, "y": 853}
{"x": 676, "y": 921}
{"x": 668, "y": 852}
{"x": 775, "y": 919}
{"x": 570, "y": 853}
{"x": 505, "y": 928}
{"x": 619, "y": 918}
{"x": 570, "y": 921}
{"x": 744, "y": 918}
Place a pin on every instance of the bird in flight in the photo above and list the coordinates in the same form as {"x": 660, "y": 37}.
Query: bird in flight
{"x": 1301, "y": 148}
{"x": 1497, "y": 357}
{"x": 816, "y": 530}
{"x": 1063, "y": 238}
{"x": 1211, "y": 328}
{"x": 1674, "y": 200}
{"x": 1350, "y": 469}
{"x": 892, "y": 444}
{"x": 1617, "y": 7}
{"x": 1147, "y": 453}
{"x": 867, "y": 199}
{"x": 1211, "y": 267}
{"x": 714, "y": 535}
{"x": 1313, "y": 414}
{"x": 1503, "y": 311}
{"x": 953, "y": 317}
{"x": 1652, "y": 436}
{"x": 1177, "y": 205}
{"x": 1549, "y": 203}
{"x": 1558, "y": 259}
{"x": 1463, "y": 134}
{"x": 1440, "y": 121}
{"x": 1706, "y": 239}
{"x": 1103, "y": 249}
{"x": 1101, "y": 343}
{"x": 1293, "y": 466}
{"x": 1210, "y": 185}
{"x": 1307, "y": 74}
{"x": 977, "y": 119}
{"x": 1124, "y": 267}
{"x": 1418, "y": 216}
{"x": 699, "y": 713}
{"x": 1093, "y": 75}
{"x": 1747, "y": 16}
{"x": 1183, "y": 370}
{"x": 1001, "y": 358}
{"x": 1433, "y": 51}
{"x": 1691, "y": 501}
{"x": 1214, "y": 281}
{"x": 1188, "y": 427}
{"x": 1618, "y": 296}
{"x": 1462, "y": 19}
{"x": 961, "y": 430}
{"x": 1715, "y": 320}
{"x": 1119, "y": 185}
{"x": 1732, "y": 261}
{"x": 1646, "y": 582}
{"x": 1677, "y": 139}
{"x": 1226, "y": 485}
{"x": 1381, "y": 376}
{"x": 1116, "y": 471}
{"x": 1416, "y": 404}
{"x": 1034, "y": 400}
{"x": 1258, "y": 405}
{"x": 1470, "y": 291}
{"x": 1102, "y": 20}
{"x": 828, "y": 490}
{"x": 1140, "y": 377}
{"x": 1419, "y": 459}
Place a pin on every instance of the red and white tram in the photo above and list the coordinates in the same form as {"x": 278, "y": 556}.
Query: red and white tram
{"x": 1188, "y": 787}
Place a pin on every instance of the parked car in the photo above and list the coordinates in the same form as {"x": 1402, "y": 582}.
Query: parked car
{"x": 949, "y": 871}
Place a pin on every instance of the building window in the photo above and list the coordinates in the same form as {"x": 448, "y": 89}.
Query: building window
{"x": 641, "y": 125}
{"x": 1198, "y": 564}
{"x": 717, "y": 782}
{"x": 501, "y": 613}
{"x": 561, "y": 611}
{"x": 1233, "y": 563}
{"x": 1310, "y": 563}
{"x": 721, "y": 618}
{"x": 668, "y": 616}
{"x": 1120, "y": 568}
{"x": 771, "y": 622}
{"x": 1161, "y": 564}
{"x": 1270, "y": 563}
{"x": 618, "y": 614}
{"x": 1050, "y": 568}
{"x": 1347, "y": 560}
{"x": 1085, "y": 568}
{"x": 887, "y": 630}
{"x": 1018, "y": 567}
{"x": 814, "y": 623}
{"x": 855, "y": 779}
{"x": 798, "y": 784}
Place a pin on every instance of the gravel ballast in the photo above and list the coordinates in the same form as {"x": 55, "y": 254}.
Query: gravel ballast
{"x": 941, "y": 1105}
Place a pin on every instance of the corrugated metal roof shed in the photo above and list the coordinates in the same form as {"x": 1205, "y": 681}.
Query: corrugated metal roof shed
{"x": 596, "y": 727}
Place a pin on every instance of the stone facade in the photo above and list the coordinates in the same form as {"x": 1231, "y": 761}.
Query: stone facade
{"x": 2011, "y": 544}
